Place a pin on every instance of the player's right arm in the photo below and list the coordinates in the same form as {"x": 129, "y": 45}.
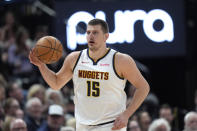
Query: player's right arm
{"x": 59, "y": 79}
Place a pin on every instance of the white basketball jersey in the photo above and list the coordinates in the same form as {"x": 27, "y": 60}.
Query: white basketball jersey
{"x": 99, "y": 91}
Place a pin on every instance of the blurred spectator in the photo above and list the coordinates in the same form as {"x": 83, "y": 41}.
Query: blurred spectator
{"x": 190, "y": 121}
{"x": 9, "y": 29}
{"x": 3, "y": 81}
{"x": 55, "y": 119}
{"x": 1, "y": 117}
{"x": 67, "y": 128}
{"x": 67, "y": 93}
{"x": 1, "y": 39}
{"x": 54, "y": 97}
{"x": 69, "y": 109}
{"x": 20, "y": 114}
{"x": 166, "y": 113}
{"x": 71, "y": 122}
{"x": 7, "y": 122}
{"x": 18, "y": 125}
{"x": 2, "y": 94}
{"x": 33, "y": 116}
{"x": 14, "y": 90}
{"x": 134, "y": 116}
{"x": 159, "y": 125}
{"x": 5, "y": 67}
{"x": 10, "y": 107}
{"x": 37, "y": 90}
{"x": 18, "y": 54}
{"x": 1, "y": 124}
{"x": 133, "y": 126}
{"x": 144, "y": 120}
{"x": 151, "y": 104}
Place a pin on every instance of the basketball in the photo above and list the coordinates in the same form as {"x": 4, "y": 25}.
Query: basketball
{"x": 48, "y": 49}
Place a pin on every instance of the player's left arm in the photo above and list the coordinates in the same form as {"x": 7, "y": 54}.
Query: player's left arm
{"x": 126, "y": 67}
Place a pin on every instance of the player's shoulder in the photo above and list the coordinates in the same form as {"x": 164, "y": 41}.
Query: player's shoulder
{"x": 123, "y": 60}
{"x": 73, "y": 55}
{"x": 122, "y": 57}
{"x": 72, "y": 58}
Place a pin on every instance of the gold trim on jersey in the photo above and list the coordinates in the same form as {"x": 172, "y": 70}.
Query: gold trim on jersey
{"x": 115, "y": 68}
{"x": 96, "y": 61}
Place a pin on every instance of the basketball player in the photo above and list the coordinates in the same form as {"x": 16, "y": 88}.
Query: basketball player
{"x": 99, "y": 75}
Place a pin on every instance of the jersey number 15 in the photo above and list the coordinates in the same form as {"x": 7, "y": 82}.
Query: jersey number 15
{"x": 93, "y": 88}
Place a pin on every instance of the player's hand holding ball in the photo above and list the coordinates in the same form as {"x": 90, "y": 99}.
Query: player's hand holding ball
{"x": 47, "y": 50}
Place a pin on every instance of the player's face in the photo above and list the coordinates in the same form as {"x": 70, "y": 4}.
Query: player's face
{"x": 96, "y": 38}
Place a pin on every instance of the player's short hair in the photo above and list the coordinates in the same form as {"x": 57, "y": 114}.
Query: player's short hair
{"x": 104, "y": 25}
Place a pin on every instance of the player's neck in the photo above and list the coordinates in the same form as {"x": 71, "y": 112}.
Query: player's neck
{"x": 98, "y": 53}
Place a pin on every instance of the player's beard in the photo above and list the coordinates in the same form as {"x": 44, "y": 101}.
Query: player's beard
{"x": 93, "y": 48}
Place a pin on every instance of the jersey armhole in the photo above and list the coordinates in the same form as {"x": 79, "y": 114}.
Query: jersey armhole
{"x": 77, "y": 61}
{"x": 113, "y": 62}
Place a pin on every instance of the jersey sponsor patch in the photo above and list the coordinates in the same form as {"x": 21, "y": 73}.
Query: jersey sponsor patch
{"x": 104, "y": 64}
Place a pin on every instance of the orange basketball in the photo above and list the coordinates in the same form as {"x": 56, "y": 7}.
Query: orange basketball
{"x": 48, "y": 49}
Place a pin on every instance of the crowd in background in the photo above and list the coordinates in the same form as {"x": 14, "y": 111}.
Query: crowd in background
{"x": 26, "y": 101}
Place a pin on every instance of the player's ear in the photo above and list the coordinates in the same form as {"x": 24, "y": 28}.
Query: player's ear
{"x": 106, "y": 36}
